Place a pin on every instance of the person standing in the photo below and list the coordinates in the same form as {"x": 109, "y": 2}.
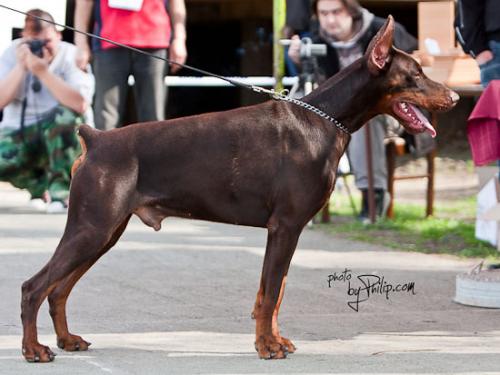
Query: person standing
{"x": 144, "y": 24}
{"x": 347, "y": 28}
{"x": 44, "y": 96}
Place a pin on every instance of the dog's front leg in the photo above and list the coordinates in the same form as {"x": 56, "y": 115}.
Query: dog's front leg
{"x": 281, "y": 243}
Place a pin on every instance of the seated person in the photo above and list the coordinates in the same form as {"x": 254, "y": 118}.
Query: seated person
{"x": 347, "y": 28}
{"x": 44, "y": 96}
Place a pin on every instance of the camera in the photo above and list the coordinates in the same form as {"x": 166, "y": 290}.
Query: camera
{"x": 309, "y": 52}
{"x": 308, "y": 49}
{"x": 36, "y": 46}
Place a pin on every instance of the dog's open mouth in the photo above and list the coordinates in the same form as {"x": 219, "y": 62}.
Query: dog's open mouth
{"x": 413, "y": 117}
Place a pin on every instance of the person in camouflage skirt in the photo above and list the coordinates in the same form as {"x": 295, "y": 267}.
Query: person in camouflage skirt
{"x": 44, "y": 97}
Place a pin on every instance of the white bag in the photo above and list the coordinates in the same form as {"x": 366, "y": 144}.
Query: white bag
{"x": 487, "y": 199}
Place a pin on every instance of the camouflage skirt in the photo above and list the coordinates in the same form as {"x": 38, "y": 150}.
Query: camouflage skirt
{"x": 40, "y": 158}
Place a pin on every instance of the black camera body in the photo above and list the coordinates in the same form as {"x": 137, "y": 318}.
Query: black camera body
{"x": 36, "y": 46}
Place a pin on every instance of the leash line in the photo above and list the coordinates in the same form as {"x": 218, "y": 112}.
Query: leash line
{"x": 271, "y": 92}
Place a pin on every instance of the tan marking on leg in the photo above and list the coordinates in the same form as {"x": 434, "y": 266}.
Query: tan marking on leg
{"x": 275, "y": 328}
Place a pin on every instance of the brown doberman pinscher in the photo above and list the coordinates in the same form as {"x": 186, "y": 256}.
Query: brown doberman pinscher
{"x": 272, "y": 165}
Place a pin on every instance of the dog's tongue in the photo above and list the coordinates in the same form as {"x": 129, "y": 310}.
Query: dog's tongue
{"x": 424, "y": 120}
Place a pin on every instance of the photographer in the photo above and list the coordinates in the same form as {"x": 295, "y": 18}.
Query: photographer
{"x": 44, "y": 96}
{"x": 346, "y": 28}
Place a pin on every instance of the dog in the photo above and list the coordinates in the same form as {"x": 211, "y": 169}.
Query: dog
{"x": 272, "y": 165}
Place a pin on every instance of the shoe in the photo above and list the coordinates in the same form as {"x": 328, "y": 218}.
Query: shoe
{"x": 364, "y": 213}
{"x": 382, "y": 201}
{"x": 56, "y": 207}
{"x": 38, "y": 204}
{"x": 365, "y": 220}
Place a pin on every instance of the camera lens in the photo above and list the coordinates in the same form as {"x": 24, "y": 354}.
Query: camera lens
{"x": 36, "y": 46}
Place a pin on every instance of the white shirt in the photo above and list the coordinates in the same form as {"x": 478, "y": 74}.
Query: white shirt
{"x": 63, "y": 65}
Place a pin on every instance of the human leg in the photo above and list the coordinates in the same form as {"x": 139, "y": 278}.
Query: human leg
{"x": 359, "y": 164}
{"x": 111, "y": 70}
{"x": 21, "y": 162}
{"x": 491, "y": 70}
{"x": 62, "y": 146}
{"x": 149, "y": 87}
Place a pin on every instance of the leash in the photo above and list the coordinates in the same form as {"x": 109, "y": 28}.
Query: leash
{"x": 271, "y": 92}
{"x": 280, "y": 96}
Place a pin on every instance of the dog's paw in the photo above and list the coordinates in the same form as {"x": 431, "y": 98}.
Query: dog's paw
{"x": 269, "y": 347}
{"x": 289, "y": 347}
{"x": 73, "y": 343}
{"x": 38, "y": 353}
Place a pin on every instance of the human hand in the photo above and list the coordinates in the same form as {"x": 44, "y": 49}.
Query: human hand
{"x": 484, "y": 57}
{"x": 38, "y": 65}
{"x": 83, "y": 56}
{"x": 294, "y": 49}
{"x": 177, "y": 54}
{"x": 22, "y": 52}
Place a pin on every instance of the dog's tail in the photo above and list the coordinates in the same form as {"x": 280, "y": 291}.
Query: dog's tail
{"x": 86, "y": 136}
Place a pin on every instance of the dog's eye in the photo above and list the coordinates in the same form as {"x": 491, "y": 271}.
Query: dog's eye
{"x": 419, "y": 76}
{"x": 409, "y": 80}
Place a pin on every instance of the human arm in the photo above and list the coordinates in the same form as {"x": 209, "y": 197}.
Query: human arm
{"x": 62, "y": 91}
{"x": 83, "y": 14}
{"x": 294, "y": 50}
{"x": 177, "y": 50}
{"x": 12, "y": 80}
{"x": 470, "y": 29}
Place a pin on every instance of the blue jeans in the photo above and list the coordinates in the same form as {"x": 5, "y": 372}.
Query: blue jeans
{"x": 491, "y": 69}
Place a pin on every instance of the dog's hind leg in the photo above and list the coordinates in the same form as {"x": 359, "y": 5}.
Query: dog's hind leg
{"x": 80, "y": 245}
{"x": 59, "y": 296}
{"x": 281, "y": 243}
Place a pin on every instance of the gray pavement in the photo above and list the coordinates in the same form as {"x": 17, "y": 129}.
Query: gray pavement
{"x": 179, "y": 302}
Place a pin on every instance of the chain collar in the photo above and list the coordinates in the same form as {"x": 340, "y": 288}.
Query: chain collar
{"x": 280, "y": 96}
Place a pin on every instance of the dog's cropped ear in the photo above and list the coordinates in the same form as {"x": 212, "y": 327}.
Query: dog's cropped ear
{"x": 379, "y": 49}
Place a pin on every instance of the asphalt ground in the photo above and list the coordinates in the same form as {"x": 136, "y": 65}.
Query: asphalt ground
{"x": 179, "y": 301}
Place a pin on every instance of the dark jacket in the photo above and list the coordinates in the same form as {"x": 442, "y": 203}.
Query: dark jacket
{"x": 298, "y": 15}
{"x": 477, "y": 22}
{"x": 329, "y": 65}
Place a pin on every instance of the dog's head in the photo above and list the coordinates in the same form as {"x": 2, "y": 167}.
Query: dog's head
{"x": 405, "y": 89}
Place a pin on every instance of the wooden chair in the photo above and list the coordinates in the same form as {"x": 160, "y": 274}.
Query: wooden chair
{"x": 397, "y": 147}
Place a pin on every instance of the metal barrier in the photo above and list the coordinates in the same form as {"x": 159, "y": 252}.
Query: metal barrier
{"x": 184, "y": 81}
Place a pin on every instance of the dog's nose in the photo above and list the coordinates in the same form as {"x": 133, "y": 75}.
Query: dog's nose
{"x": 454, "y": 96}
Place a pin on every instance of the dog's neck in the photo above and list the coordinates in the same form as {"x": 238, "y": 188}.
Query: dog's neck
{"x": 349, "y": 96}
